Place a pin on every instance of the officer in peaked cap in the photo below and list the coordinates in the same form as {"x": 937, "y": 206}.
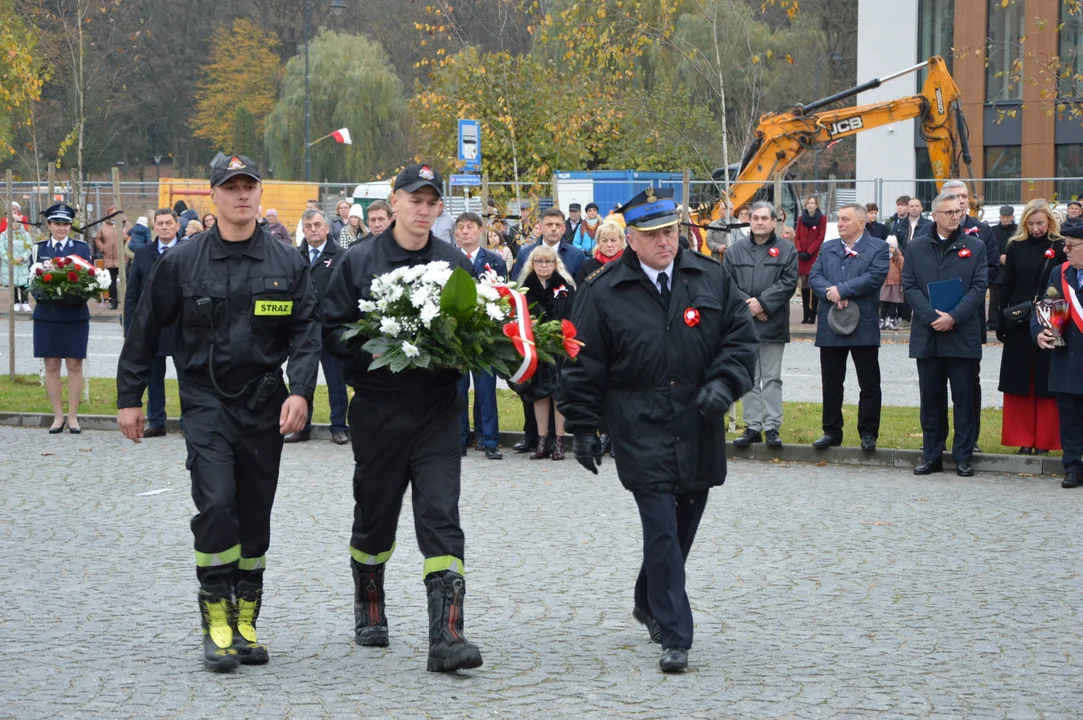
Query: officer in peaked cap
{"x": 415, "y": 413}
{"x": 668, "y": 346}
{"x": 244, "y": 303}
{"x": 61, "y": 326}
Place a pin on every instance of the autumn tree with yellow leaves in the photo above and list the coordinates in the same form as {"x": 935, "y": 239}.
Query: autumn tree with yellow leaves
{"x": 21, "y": 76}
{"x": 223, "y": 88}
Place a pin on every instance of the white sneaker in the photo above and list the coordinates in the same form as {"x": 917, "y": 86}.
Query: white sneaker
{"x": 23, "y": 307}
{"x": 893, "y": 324}
{"x": 883, "y": 323}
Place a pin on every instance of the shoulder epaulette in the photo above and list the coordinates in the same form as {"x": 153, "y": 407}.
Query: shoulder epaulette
{"x": 598, "y": 273}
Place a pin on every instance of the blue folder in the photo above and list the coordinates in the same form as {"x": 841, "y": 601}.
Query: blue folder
{"x": 946, "y": 294}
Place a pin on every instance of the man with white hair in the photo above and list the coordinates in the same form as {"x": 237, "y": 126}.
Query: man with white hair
{"x": 944, "y": 279}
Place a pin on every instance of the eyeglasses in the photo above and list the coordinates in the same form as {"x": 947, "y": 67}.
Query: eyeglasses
{"x": 1069, "y": 247}
{"x": 950, "y": 213}
{"x": 545, "y": 262}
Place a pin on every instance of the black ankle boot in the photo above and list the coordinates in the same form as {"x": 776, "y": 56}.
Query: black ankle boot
{"x": 250, "y": 651}
{"x": 218, "y": 651}
{"x": 370, "y": 620}
{"x": 449, "y": 649}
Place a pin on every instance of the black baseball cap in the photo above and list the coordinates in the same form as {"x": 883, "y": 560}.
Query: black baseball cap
{"x": 233, "y": 166}
{"x": 416, "y": 177}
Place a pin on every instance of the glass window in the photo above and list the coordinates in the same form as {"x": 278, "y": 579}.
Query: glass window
{"x": 936, "y": 30}
{"x": 1069, "y": 172}
{"x": 1003, "y": 168}
{"x": 1004, "y": 63}
{"x": 1071, "y": 41}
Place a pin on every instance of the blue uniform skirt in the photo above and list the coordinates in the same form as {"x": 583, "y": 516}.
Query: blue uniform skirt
{"x": 61, "y": 339}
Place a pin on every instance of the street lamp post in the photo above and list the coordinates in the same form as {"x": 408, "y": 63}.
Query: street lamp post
{"x": 336, "y": 6}
{"x": 157, "y": 162}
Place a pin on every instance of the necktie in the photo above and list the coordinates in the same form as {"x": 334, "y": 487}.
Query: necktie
{"x": 58, "y": 246}
{"x": 663, "y": 283}
{"x": 163, "y": 249}
{"x": 315, "y": 254}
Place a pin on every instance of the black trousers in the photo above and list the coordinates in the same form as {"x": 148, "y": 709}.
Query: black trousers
{"x": 1070, "y": 409}
{"x": 407, "y": 442}
{"x": 934, "y": 374}
{"x": 994, "y": 307}
{"x": 233, "y": 456}
{"x": 977, "y": 400}
{"x": 113, "y": 274}
{"x": 833, "y": 377}
{"x": 669, "y": 528}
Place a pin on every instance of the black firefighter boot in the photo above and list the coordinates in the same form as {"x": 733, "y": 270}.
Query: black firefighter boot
{"x": 449, "y": 650}
{"x": 250, "y": 651}
{"x": 218, "y": 651}
{"x": 370, "y": 620}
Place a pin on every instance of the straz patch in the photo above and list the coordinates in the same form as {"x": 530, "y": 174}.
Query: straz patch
{"x": 273, "y": 307}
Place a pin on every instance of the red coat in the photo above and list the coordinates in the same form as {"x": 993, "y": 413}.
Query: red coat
{"x": 809, "y": 240}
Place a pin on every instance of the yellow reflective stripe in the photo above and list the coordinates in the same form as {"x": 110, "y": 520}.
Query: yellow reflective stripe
{"x": 273, "y": 307}
{"x": 259, "y": 563}
{"x": 444, "y": 562}
{"x": 366, "y": 559}
{"x": 225, "y": 557}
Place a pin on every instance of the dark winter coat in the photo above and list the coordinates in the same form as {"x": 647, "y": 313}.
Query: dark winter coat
{"x": 321, "y": 272}
{"x": 1002, "y": 233}
{"x": 1026, "y": 271}
{"x": 877, "y": 230}
{"x": 643, "y": 365}
{"x": 1066, "y": 363}
{"x": 808, "y": 240}
{"x": 928, "y": 261}
{"x": 770, "y": 278}
{"x": 859, "y": 280}
{"x": 143, "y": 262}
{"x": 902, "y": 231}
{"x": 552, "y": 301}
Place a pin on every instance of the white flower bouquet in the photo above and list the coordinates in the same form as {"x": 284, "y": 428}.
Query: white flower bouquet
{"x": 432, "y": 317}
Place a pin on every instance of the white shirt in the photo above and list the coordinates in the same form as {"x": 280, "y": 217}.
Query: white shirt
{"x": 58, "y": 245}
{"x": 472, "y": 256}
{"x": 653, "y": 274}
{"x": 163, "y": 246}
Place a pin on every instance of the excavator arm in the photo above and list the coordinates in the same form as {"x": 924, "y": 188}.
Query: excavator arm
{"x": 782, "y": 137}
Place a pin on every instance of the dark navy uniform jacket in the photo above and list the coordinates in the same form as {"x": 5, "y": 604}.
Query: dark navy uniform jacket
{"x": 262, "y": 311}
{"x": 1066, "y": 363}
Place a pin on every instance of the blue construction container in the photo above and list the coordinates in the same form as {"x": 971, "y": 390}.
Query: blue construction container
{"x": 608, "y": 188}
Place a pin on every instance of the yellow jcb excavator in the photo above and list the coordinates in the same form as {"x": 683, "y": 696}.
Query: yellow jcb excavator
{"x": 782, "y": 137}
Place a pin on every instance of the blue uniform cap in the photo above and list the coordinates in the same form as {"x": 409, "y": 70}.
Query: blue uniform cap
{"x": 650, "y": 209}
{"x": 60, "y": 213}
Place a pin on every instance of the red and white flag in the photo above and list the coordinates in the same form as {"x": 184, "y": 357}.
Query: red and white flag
{"x": 342, "y": 135}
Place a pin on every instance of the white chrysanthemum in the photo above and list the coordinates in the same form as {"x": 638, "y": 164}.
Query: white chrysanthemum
{"x": 410, "y": 350}
{"x": 382, "y": 304}
{"x": 494, "y": 311}
{"x": 390, "y": 326}
{"x": 366, "y": 305}
{"x": 436, "y": 273}
{"x": 104, "y": 281}
{"x": 429, "y": 311}
{"x": 421, "y": 295}
{"x": 394, "y": 292}
{"x": 488, "y": 293}
{"x": 415, "y": 272}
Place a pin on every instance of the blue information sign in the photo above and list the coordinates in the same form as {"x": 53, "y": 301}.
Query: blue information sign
{"x": 465, "y": 180}
{"x": 470, "y": 145}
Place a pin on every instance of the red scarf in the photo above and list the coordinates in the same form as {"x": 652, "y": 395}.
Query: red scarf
{"x": 603, "y": 259}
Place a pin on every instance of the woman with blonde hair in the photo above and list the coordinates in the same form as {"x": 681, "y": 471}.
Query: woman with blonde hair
{"x": 354, "y": 229}
{"x": 608, "y": 246}
{"x": 194, "y": 227}
{"x": 550, "y": 291}
{"x": 1030, "y": 419}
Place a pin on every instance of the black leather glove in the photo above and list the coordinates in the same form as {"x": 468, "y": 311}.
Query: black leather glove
{"x": 587, "y": 449}
{"x": 1000, "y": 334}
{"x": 804, "y": 255}
{"x": 713, "y": 399}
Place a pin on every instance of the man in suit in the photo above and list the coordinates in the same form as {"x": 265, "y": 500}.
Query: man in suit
{"x": 849, "y": 271}
{"x": 323, "y": 257}
{"x": 946, "y": 342}
{"x": 1066, "y": 363}
{"x": 468, "y": 230}
{"x": 146, "y": 257}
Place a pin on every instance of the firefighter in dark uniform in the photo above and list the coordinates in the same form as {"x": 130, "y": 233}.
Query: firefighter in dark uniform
{"x": 243, "y": 303}
{"x": 668, "y": 346}
{"x": 415, "y": 414}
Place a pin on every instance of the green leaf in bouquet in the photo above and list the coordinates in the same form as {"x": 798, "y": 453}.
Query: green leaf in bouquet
{"x": 399, "y": 362}
{"x": 380, "y": 345}
{"x": 424, "y": 360}
{"x": 383, "y": 361}
{"x": 460, "y": 296}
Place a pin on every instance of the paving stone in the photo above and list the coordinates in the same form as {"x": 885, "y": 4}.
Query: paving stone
{"x": 819, "y": 592}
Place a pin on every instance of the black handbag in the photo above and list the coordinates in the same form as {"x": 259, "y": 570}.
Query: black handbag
{"x": 1019, "y": 314}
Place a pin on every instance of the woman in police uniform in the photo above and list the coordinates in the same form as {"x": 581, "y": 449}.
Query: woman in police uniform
{"x": 61, "y": 326}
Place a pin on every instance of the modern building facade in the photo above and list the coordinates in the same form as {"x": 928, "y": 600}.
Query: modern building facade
{"x": 1021, "y": 146}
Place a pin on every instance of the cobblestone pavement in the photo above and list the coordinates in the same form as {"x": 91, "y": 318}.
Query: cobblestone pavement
{"x": 819, "y": 592}
{"x": 801, "y": 367}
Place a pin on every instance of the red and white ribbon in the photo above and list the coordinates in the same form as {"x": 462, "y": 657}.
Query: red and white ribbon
{"x": 521, "y": 333}
{"x": 1076, "y": 310}
{"x": 80, "y": 262}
